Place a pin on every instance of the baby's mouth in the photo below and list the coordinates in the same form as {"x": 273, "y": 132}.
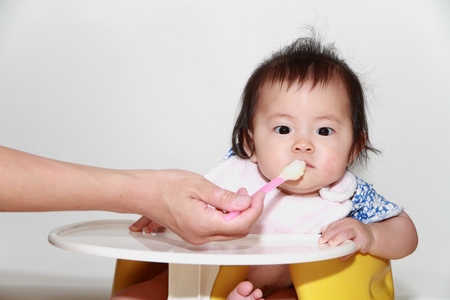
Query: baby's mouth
{"x": 307, "y": 164}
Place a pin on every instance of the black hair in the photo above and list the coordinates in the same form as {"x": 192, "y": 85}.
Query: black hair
{"x": 305, "y": 60}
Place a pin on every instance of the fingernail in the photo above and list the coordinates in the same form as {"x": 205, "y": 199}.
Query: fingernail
{"x": 242, "y": 201}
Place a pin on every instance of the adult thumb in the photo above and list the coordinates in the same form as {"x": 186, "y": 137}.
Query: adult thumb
{"x": 230, "y": 201}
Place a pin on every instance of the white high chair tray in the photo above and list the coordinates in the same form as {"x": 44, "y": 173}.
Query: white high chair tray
{"x": 111, "y": 238}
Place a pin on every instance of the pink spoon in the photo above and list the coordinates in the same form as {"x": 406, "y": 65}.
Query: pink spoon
{"x": 293, "y": 171}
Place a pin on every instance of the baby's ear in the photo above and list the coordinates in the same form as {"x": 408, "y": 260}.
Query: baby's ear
{"x": 249, "y": 147}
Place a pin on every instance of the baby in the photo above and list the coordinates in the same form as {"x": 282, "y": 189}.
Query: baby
{"x": 305, "y": 103}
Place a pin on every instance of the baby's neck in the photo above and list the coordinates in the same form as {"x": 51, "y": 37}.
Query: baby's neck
{"x": 307, "y": 194}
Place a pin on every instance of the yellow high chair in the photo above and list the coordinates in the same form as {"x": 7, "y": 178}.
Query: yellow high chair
{"x": 360, "y": 277}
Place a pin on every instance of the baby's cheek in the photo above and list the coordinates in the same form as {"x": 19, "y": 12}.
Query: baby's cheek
{"x": 333, "y": 169}
{"x": 329, "y": 167}
{"x": 270, "y": 169}
{"x": 266, "y": 172}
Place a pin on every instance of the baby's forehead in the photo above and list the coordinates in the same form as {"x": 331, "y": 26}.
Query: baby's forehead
{"x": 284, "y": 83}
{"x": 320, "y": 102}
{"x": 283, "y": 86}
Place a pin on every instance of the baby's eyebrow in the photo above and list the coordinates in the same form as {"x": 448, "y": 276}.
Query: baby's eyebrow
{"x": 280, "y": 116}
{"x": 329, "y": 117}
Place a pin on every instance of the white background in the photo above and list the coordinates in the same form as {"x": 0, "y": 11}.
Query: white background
{"x": 155, "y": 84}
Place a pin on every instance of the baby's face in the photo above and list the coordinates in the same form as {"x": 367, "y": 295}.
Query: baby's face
{"x": 310, "y": 125}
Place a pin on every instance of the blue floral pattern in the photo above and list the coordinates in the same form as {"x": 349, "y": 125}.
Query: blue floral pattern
{"x": 229, "y": 154}
{"x": 369, "y": 207}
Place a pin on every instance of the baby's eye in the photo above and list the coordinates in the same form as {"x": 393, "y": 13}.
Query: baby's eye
{"x": 282, "y": 130}
{"x": 325, "y": 131}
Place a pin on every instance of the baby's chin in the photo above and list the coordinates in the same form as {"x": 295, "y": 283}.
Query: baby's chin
{"x": 298, "y": 190}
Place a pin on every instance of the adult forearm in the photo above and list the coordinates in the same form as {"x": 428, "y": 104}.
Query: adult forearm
{"x": 33, "y": 183}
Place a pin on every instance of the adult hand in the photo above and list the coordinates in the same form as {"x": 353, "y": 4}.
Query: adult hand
{"x": 185, "y": 202}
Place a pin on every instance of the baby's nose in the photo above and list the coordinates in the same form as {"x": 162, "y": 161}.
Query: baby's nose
{"x": 303, "y": 145}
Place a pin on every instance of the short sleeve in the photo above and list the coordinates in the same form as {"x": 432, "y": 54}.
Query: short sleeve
{"x": 369, "y": 207}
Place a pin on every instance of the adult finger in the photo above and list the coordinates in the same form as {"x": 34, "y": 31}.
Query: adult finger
{"x": 140, "y": 224}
